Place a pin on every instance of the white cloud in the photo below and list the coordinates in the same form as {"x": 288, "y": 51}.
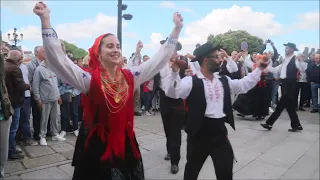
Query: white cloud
{"x": 308, "y": 20}
{"x": 219, "y": 21}
{"x": 171, "y": 5}
{"x": 88, "y": 28}
{"x": 20, "y": 7}
{"x": 30, "y": 33}
{"x": 155, "y": 39}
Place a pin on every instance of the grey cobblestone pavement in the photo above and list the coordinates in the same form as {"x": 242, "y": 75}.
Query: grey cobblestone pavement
{"x": 277, "y": 154}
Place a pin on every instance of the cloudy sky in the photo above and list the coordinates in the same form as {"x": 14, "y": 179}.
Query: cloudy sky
{"x": 80, "y": 22}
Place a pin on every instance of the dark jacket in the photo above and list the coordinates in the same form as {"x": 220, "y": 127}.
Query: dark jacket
{"x": 15, "y": 83}
{"x": 5, "y": 103}
{"x": 313, "y": 73}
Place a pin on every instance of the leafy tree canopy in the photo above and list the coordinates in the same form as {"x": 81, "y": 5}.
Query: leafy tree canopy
{"x": 231, "y": 41}
{"x": 77, "y": 52}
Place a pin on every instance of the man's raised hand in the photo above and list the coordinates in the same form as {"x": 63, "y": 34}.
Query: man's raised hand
{"x": 139, "y": 47}
{"x": 178, "y": 20}
{"x": 41, "y": 10}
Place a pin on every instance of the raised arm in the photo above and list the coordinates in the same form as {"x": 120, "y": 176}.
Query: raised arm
{"x": 55, "y": 56}
{"x": 231, "y": 65}
{"x": 246, "y": 83}
{"x": 150, "y": 68}
{"x": 174, "y": 86}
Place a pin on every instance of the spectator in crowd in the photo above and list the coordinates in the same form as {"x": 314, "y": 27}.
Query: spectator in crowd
{"x": 26, "y": 110}
{"x": 147, "y": 92}
{"x": 301, "y": 86}
{"x": 70, "y": 103}
{"x": 16, "y": 89}
{"x": 5, "y": 118}
{"x": 36, "y": 112}
{"x": 47, "y": 96}
{"x": 313, "y": 73}
{"x": 135, "y": 60}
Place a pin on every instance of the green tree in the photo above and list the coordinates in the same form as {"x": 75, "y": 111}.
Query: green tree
{"x": 77, "y": 52}
{"x": 231, "y": 41}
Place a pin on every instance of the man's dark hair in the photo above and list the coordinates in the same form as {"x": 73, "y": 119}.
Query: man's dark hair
{"x": 68, "y": 51}
{"x": 73, "y": 59}
{"x": 145, "y": 56}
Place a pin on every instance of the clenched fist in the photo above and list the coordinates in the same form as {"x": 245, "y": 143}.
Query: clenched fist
{"x": 178, "y": 20}
{"x": 41, "y": 10}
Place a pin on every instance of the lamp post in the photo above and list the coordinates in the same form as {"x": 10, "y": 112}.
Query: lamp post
{"x": 15, "y": 39}
{"x": 122, "y": 7}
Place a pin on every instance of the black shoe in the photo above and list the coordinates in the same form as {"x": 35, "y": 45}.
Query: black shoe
{"x": 137, "y": 113}
{"x": 69, "y": 129}
{"x": 299, "y": 128}
{"x": 314, "y": 111}
{"x": 266, "y": 126}
{"x": 241, "y": 115}
{"x": 167, "y": 157}
{"x": 301, "y": 109}
{"x": 29, "y": 142}
{"x": 174, "y": 169}
{"x": 15, "y": 156}
{"x": 49, "y": 134}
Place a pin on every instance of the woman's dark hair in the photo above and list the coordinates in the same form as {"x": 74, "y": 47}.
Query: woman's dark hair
{"x": 100, "y": 45}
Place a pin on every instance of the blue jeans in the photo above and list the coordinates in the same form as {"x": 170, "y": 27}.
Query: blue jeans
{"x": 75, "y": 111}
{"x": 147, "y": 96}
{"x": 13, "y": 130}
{"x": 315, "y": 95}
{"x": 275, "y": 88}
{"x": 24, "y": 119}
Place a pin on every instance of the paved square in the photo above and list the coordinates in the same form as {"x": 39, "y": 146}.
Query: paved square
{"x": 276, "y": 154}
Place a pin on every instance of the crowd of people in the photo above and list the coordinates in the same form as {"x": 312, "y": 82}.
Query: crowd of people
{"x": 197, "y": 93}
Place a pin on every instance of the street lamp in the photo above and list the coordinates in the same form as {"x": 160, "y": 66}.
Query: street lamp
{"x": 122, "y": 7}
{"x": 15, "y": 39}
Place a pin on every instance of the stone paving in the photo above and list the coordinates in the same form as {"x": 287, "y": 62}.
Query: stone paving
{"x": 261, "y": 154}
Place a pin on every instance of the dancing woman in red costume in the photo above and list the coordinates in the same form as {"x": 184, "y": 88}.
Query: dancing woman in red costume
{"x": 106, "y": 147}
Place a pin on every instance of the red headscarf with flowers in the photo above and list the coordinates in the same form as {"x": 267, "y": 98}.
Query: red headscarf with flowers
{"x": 112, "y": 127}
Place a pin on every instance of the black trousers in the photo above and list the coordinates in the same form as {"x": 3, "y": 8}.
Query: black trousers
{"x": 301, "y": 86}
{"x": 287, "y": 101}
{"x": 36, "y": 117}
{"x": 173, "y": 114}
{"x": 206, "y": 143}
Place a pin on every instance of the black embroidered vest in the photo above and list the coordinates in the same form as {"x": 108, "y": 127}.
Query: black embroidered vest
{"x": 292, "y": 70}
{"x": 197, "y": 104}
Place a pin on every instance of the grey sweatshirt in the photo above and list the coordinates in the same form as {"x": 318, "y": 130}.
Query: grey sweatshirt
{"x": 45, "y": 84}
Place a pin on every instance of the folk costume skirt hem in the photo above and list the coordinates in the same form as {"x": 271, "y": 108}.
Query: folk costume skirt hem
{"x": 87, "y": 163}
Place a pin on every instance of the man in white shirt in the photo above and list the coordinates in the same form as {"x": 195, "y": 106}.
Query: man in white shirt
{"x": 288, "y": 78}
{"x": 209, "y": 106}
{"x": 172, "y": 114}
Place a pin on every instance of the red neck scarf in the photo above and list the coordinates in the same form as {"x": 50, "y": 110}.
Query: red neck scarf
{"x": 101, "y": 119}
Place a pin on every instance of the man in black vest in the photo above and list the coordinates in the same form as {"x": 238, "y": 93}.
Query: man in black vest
{"x": 209, "y": 106}
{"x": 288, "y": 77}
{"x": 173, "y": 115}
